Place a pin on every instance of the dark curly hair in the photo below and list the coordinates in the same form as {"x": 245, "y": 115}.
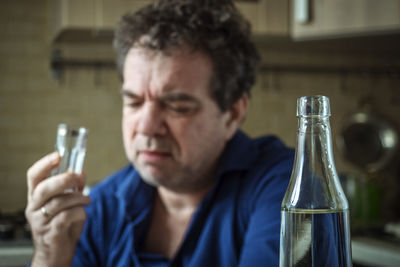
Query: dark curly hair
{"x": 211, "y": 26}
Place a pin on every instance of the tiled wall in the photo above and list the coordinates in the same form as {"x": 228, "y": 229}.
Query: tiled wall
{"x": 273, "y": 107}
{"x": 32, "y": 103}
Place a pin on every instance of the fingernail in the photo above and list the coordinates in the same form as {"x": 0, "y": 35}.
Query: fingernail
{"x": 54, "y": 157}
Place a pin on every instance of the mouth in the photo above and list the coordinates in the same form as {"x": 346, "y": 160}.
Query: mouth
{"x": 154, "y": 156}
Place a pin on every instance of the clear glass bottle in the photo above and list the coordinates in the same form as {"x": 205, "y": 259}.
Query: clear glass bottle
{"x": 315, "y": 228}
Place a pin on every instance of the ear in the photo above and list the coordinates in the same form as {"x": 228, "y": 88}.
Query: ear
{"x": 237, "y": 114}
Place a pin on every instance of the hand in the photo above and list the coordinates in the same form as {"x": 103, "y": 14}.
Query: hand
{"x": 56, "y": 217}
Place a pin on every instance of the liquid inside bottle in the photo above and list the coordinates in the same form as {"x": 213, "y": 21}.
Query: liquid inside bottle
{"x": 315, "y": 238}
{"x": 315, "y": 228}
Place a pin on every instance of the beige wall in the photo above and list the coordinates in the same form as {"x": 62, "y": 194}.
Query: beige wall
{"x": 32, "y": 103}
{"x": 273, "y": 105}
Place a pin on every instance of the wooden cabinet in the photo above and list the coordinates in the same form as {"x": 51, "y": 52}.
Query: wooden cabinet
{"x": 70, "y": 14}
{"x": 109, "y": 12}
{"x": 88, "y": 20}
{"x": 93, "y": 19}
{"x": 317, "y": 19}
{"x": 300, "y": 19}
{"x": 267, "y": 17}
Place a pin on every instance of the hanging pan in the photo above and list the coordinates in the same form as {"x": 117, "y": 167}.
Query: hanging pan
{"x": 368, "y": 141}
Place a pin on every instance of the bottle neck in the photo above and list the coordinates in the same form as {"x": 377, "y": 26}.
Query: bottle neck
{"x": 314, "y": 182}
{"x": 314, "y": 138}
{"x": 314, "y": 153}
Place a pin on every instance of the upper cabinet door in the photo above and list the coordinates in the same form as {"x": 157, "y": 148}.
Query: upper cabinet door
{"x": 267, "y": 17}
{"x": 109, "y": 12}
{"x": 83, "y": 20}
{"x": 70, "y": 14}
{"x": 77, "y": 19}
{"x": 316, "y": 19}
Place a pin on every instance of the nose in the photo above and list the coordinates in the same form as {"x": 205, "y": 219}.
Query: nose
{"x": 151, "y": 121}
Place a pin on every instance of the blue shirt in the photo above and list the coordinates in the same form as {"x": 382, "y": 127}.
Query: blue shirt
{"x": 236, "y": 224}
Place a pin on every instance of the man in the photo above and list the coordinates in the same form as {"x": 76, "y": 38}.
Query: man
{"x": 198, "y": 191}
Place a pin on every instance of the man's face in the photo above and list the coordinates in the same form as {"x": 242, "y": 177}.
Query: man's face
{"x": 173, "y": 130}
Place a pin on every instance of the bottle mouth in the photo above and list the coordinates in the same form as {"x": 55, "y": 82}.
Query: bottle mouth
{"x": 311, "y": 106}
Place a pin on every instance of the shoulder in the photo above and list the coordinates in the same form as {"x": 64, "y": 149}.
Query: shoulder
{"x": 256, "y": 161}
{"x": 266, "y": 179}
{"x": 267, "y": 157}
{"x": 272, "y": 146}
{"x": 273, "y": 156}
{"x": 249, "y": 196}
{"x": 256, "y": 170}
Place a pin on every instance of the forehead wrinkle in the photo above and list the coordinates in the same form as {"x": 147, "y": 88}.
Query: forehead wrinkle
{"x": 164, "y": 75}
{"x": 139, "y": 72}
{"x": 179, "y": 68}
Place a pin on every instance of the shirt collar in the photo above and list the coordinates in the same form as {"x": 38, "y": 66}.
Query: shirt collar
{"x": 135, "y": 194}
{"x": 239, "y": 154}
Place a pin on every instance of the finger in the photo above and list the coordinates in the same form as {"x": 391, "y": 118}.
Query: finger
{"x": 41, "y": 170}
{"x": 63, "y": 220}
{"x": 52, "y": 187}
{"x": 82, "y": 181}
{"x": 62, "y": 224}
{"x": 64, "y": 202}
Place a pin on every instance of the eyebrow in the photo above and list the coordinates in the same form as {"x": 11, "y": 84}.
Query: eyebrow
{"x": 126, "y": 92}
{"x": 172, "y": 97}
{"x": 169, "y": 97}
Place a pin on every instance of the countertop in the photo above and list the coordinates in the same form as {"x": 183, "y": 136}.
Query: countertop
{"x": 367, "y": 251}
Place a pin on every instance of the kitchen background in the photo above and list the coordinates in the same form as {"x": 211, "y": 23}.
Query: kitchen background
{"x": 56, "y": 65}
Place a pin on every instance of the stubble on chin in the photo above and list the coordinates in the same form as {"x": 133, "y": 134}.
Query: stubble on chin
{"x": 151, "y": 173}
{"x": 149, "y": 180}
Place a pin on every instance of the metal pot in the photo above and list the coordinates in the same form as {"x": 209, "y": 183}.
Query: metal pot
{"x": 368, "y": 141}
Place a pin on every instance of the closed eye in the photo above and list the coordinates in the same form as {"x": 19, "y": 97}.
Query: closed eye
{"x": 133, "y": 104}
{"x": 130, "y": 99}
{"x": 181, "y": 108}
{"x": 180, "y": 104}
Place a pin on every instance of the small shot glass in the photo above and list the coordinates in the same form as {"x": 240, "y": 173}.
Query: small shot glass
{"x": 71, "y": 145}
